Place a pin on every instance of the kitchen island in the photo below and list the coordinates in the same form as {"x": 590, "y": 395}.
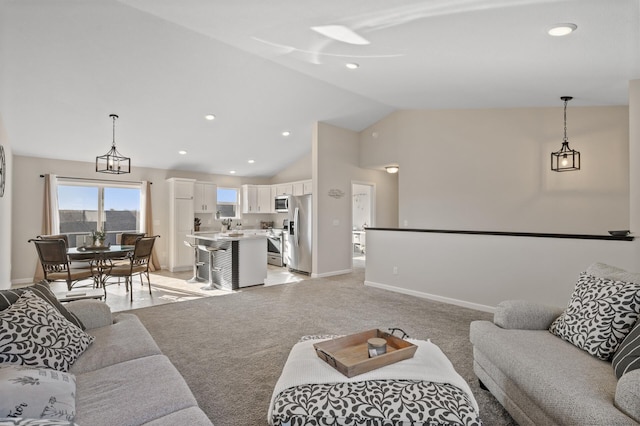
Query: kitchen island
{"x": 241, "y": 260}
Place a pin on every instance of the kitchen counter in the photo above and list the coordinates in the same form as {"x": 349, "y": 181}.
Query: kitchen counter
{"x": 243, "y": 262}
{"x": 230, "y": 236}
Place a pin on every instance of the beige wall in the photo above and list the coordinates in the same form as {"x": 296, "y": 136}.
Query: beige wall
{"x": 489, "y": 169}
{"x": 299, "y": 170}
{"x": 336, "y": 165}
{"x": 5, "y": 213}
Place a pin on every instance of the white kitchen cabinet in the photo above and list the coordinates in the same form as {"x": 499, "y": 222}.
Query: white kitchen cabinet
{"x": 298, "y": 188}
{"x": 265, "y": 201}
{"x": 205, "y": 197}
{"x": 307, "y": 187}
{"x": 257, "y": 199}
{"x": 284, "y": 189}
{"x": 249, "y": 198}
{"x": 181, "y": 214}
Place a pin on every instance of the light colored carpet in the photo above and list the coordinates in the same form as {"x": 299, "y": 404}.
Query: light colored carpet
{"x": 231, "y": 349}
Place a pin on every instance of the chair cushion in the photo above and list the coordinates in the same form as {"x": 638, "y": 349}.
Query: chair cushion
{"x": 41, "y": 289}
{"x": 600, "y": 314}
{"x": 33, "y": 333}
{"x": 37, "y": 393}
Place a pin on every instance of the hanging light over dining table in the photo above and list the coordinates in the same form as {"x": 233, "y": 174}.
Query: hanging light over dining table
{"x": 113, "y": 162}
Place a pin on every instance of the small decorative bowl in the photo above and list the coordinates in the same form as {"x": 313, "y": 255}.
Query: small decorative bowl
{"x": 622, "y": 233}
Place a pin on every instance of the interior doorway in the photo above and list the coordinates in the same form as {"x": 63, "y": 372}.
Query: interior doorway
{"x": 362, "y": 216}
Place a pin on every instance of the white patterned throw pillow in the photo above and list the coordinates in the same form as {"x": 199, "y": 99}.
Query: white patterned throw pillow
{"x": 34, "y": 333}
{"x": 37, "y": 393}
{"x": 600, "y": 314}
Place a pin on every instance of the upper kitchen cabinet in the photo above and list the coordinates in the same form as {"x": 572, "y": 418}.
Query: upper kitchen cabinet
{"x": 257, "y": 199}
{"x": 181, "y": 188}
{"x": 205, "y": 197}
{"x": 284, "y": 189}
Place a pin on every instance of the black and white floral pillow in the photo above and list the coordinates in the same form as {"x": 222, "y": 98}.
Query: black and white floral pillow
{"x": 600, "y": 314}
{"x": 37, "y": 393}
{"x": 34, "y": 333}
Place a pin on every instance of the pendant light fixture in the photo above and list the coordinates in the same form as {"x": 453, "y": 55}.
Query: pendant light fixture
{"x": 566, "y": 159}
{"x": 113, "y": 162}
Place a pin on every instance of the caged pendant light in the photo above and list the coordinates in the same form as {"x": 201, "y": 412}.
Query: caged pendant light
{"x": 113, "y": 162}
{"x": 566, "y": 159}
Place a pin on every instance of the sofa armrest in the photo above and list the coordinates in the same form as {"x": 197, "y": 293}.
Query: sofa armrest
{"x": 627, "y": 397}
{"x": 525, "y": 315}
{"x": 92, "y": 313}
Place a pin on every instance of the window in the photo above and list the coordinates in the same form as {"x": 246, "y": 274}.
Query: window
{"x": 86, "y": 206}
{"x": 228, "y": 201}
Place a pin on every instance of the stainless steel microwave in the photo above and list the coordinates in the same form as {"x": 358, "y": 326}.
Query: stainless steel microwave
{"x": 282, "y": 203}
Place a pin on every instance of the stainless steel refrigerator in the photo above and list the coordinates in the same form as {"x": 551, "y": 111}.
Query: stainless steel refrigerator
{"x": 299, "y": 236}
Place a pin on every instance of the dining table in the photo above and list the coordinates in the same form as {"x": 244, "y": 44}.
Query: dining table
{"x": 101, "y": 258}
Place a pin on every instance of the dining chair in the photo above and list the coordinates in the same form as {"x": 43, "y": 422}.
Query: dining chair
{"x": 138, "y": 264}
{"x": 79, "y": 264}
{"x": 55, "y": 262}
{"x": 129, "y": 238}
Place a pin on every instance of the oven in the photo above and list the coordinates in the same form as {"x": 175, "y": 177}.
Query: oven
{"x": 275, "y": 247}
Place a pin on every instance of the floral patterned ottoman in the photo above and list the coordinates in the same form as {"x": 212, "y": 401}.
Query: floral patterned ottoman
{"x": 422, "y": 391}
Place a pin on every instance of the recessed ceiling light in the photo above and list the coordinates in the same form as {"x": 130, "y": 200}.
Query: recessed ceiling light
{"x": 182, "y": 152}
{"x": 286, "y": 133}
{"x": 251, "y": 161}
{"x": 340, "y": 33}
{"x": 559, "y": 30}
{"x": 352, "y": 66}
{"x": 233, "y": 172}
{"x": 210, "y": 117}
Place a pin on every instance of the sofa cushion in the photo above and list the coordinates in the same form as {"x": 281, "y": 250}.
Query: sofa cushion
{"x": 41, "y": 289}
{"x": 124, "y": 340}
{"x": 628, "y": 394}
{"x": 627, "y": 357}
{"x": 137, "y": 391}
{"x": 38, "y": 393}
{"x": 192, "y": 416}
{"x": 602, "y": 270}
{"x": 34, "y": 333}
{"x": 599, "y": 315}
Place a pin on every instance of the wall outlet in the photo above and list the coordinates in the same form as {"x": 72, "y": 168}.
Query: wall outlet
{"x": 336, "y": 222}
{"x": 406, "y": 223}
{"x": 395, "y": 270}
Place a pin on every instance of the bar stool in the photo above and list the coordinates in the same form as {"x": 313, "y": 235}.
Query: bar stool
{"x": 196, "y": 264}
{"x": 212, "y": 251}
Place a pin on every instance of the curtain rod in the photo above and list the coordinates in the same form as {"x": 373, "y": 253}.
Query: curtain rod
{"x": 98, "y": 180}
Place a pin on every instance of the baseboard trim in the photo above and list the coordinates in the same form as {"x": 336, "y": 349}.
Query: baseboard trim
{"x": 449, "y": 300}
{"x": 332, "y": 273}
{"x": 21, "y": 281}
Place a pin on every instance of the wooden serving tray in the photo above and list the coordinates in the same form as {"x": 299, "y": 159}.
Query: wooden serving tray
{"x": 350, "y": 356}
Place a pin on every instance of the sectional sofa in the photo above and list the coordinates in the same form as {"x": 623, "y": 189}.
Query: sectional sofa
{"x": 120, "y": 378}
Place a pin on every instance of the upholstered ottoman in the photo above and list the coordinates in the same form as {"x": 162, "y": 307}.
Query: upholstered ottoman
{"x": 423, "y": 390}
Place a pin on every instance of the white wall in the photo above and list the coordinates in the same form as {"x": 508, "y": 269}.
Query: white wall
{"x": 5, "y": 213}
{"x": 361, "y": 201}
{"x": 336, "y": 154}
{"x": 489, "y": 169}
{"x": 480, "y": 271}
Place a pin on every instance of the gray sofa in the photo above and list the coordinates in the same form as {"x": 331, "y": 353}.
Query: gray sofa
{"x": 123, "y": 378}
{"x": 543, "y": 380}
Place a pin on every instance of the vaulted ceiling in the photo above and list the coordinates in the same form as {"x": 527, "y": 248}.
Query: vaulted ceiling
{"x": 260, "y": 68}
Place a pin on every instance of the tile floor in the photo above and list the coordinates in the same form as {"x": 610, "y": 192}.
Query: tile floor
{"x": 170, "y": 287}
